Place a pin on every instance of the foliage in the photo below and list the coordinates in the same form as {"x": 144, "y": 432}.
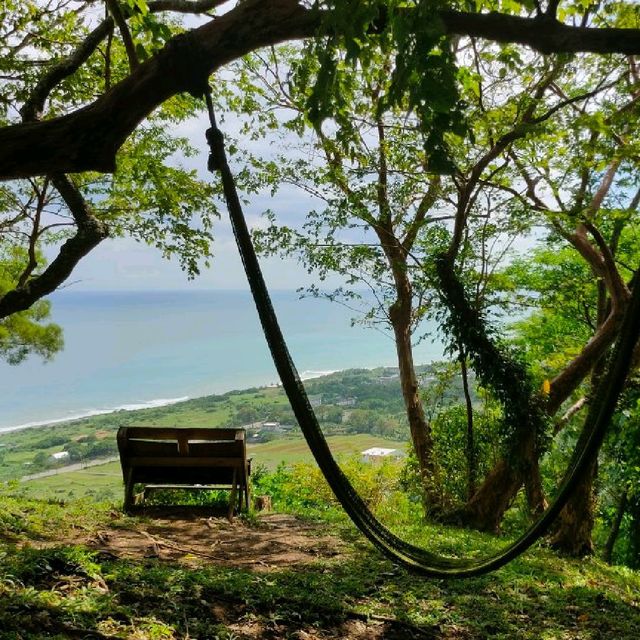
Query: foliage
{"x": 27, "y": 332}
{"x": 498, "y": 366}
{"x": 302, "y": 488}
{"x": 419, "y": 61}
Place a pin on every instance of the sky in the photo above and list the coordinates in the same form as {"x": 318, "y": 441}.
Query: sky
{"x": 124, "y": 264}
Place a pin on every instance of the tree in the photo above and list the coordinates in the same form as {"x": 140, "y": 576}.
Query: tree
{"x": 84, "y": 132}
{"x": 379, "y": 192}
{"x": 99, "y": 90}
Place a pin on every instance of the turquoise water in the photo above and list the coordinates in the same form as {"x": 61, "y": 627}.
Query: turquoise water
{"x": 134, "y": 349}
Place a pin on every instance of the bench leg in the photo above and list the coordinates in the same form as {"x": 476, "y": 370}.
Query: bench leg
{"x": 232, "y": 497}
{"x": 247, "y": 492}
{"x": 128, "y": 492}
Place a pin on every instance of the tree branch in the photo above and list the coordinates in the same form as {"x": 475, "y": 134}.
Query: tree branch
{"x": 542, "y": 34}
{"x": 127, "y": 40}
{"x": 184, "y": 6}
{"x": 88, "y": 138}
{"x": 34, "y": 106}
{"x": 427, "y": 201}
{"x": 90, "y": 233}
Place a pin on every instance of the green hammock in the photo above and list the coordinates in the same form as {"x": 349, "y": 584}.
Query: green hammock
{"x": 414, "y": 558}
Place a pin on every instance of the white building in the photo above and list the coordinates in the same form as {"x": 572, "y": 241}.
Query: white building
{"x": 376, "y": 454}
{"x": 61, "y": 455}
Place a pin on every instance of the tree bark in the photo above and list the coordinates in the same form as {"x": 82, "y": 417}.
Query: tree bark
{"x": 536, "y": 499}
{"x": 88, "y": 139}
{"x": 470, "y": 448}
{"x": 420, "y": 429}
{"x": 486, "y": 509}
{"x": 576, "y": 520}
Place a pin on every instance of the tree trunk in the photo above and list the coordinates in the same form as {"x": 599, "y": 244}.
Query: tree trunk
{"x": 470, "y": 449}
{"x": 486, "y": 509}
{"x": 421, "y": 436}
{"x": 536, "y": 499}
{"x": 575, "y": 523}
{"x": 607, "y": 554}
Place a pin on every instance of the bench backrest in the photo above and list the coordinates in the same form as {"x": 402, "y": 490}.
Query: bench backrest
{"x": 181, "y": 455}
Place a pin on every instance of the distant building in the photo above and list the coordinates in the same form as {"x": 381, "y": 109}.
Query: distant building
{"x": 271, "y": 426}
{"x": 376, "y": 454}
{"x": 346, "y": 402}
{"x": 61, "y": 455}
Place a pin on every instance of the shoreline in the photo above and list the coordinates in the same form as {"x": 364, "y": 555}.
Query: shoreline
{"x": 148, "y": 404}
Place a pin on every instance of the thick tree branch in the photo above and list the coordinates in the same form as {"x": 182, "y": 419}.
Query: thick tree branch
{"x": 563, "y": 385}
{"x": 616, "y": 286}
{"x": 184, "y": 6}
{"x": 89, "y": 138}
{"x": 542, "y": 34}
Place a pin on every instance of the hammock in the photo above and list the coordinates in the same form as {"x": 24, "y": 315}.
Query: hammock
{"x": 414, "y": 558}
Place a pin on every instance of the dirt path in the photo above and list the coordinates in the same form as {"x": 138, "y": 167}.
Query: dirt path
{"x": 275, "y": 540}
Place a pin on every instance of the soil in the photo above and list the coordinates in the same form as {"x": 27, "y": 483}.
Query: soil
{"x": 187, "y": 536}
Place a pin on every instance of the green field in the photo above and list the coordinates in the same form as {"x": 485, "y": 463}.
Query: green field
{"x": 104, "y": 482}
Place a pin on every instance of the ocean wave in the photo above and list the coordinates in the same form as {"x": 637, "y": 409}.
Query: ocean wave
{"x": 309, "y": 374}
{"x": 149, "y": 404}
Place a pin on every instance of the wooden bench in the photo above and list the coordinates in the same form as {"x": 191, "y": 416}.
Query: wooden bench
{"x": 198, "y": 458}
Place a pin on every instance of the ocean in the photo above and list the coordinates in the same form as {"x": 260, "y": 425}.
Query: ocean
{"x": 128, "y": 350}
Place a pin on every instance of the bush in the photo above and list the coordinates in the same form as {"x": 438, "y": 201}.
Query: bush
{"x": 302, "y": 487}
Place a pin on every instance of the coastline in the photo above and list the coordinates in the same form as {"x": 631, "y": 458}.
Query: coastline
{"x": 148, "y": 404}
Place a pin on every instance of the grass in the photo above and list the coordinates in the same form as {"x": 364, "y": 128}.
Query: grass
{"x": 68, "y": 591}
{"x": 17, "y": 448}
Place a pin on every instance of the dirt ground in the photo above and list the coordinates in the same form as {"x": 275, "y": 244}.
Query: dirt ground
{"x": 274, "y": 541}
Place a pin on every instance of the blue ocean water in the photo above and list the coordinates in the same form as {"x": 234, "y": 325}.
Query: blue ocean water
{"x": 134, "y": 349}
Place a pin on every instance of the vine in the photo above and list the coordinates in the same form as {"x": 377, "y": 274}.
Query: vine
{"x": 496, "y": 365}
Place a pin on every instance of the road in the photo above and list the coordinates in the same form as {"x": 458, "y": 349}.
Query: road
{"x": 78, "y": 466}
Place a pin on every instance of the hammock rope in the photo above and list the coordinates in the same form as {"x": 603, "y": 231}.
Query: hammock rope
{"x": 412, "y": 557}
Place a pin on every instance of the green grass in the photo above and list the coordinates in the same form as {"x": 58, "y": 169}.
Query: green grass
{"x": 295, "y": 449}
{"x": 68, "y": 591}
{"x": 19, "y": 447}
